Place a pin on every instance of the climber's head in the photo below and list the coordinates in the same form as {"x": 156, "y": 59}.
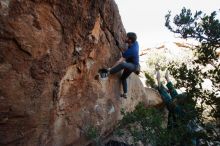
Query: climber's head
{"x": 131, "y": 37}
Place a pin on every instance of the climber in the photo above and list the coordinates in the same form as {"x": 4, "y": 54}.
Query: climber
{"x": 168, "y": 96}
{"x": 129, "y": 61}
{"x": 178, "y": 106}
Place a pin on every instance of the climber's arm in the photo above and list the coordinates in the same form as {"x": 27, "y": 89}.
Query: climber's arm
{"x": 122, "y": 59}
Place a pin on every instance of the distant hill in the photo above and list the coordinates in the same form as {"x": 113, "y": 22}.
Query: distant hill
{"x": 164, "y": 54}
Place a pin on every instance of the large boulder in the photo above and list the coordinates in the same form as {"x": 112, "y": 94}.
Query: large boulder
{"x": 51, "y": 51}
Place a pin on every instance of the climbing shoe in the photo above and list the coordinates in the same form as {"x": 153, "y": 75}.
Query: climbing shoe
{"x": 124, "y": 95}
{"x": 104, "y": 73}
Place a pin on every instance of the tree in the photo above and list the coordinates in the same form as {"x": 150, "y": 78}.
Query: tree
{"x": 205, "y": 29}
{"x": 145, "y": 124}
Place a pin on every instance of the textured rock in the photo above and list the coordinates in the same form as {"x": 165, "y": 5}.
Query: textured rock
{"x": 51, "y": 51}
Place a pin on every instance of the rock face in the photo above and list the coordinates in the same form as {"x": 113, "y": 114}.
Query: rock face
{"x": 51, "y": 51}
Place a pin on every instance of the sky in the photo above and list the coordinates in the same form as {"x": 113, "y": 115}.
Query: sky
{"x": 147, "y": 17}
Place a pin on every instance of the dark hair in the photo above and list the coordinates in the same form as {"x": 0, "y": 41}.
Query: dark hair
{"x": 132, "y": 36}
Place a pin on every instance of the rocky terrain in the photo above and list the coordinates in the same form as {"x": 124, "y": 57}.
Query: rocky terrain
{"x": 50, "y": 90}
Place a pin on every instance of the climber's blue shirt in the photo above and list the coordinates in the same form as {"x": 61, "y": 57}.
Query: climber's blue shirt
{"x": 132, "y": 54}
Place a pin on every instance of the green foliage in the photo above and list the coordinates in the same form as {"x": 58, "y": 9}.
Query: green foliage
{"x": 149, "y": 80}
{"x": 203, "y": 28}
{"x": 142, "y": 118}
{"x": 92, "y": 132}
{"x": 165, "y": 54}
{"x": 206, "y": 30}
{"x": 119, "y": 132}
{"x": 158, "y": 58}
{"x": 145, "y": 125}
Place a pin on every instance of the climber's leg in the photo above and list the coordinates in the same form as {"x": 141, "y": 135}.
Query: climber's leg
{"x": 158, "y": 78}
{"x": 124, "y": 77}
{"x": 172, "y": 89}
{"x": 175, "y": 96}
{"x": 171, "y": 120}
{"x": 165, "y": 95}
{"x": 171, "y": 106}
{"x": 170, "y": 86}
{"x": 128, "y": 69}
{"x": 124, "y": 65}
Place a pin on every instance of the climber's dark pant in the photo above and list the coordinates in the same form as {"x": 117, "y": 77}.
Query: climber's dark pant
{"x": 175, "y": 110}
{"x": 128, "y": 69}
{"x": 169, "y": 96}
